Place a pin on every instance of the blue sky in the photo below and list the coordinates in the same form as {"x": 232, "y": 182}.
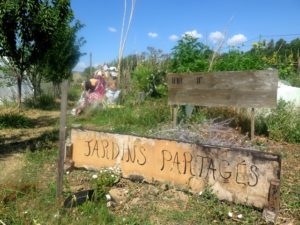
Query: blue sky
{"x": 159, "y": 23}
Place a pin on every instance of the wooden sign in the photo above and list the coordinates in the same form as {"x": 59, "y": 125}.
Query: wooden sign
{"x": 251, "y": 89}
{"x": 238, "y": 175}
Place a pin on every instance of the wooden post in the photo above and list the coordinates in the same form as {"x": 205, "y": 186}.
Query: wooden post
{"x": 174, "y": 115}
{"x": 270, "y": 212}
{"x": 252, "y": 124}
{"x": 62, "y": 137}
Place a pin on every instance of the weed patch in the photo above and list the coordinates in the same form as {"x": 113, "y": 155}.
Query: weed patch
{"x": 43, "y": 102}
{"x": 284, "y": 123}
{"x": 14, "y": 120}
{"x": 128, "y": 119}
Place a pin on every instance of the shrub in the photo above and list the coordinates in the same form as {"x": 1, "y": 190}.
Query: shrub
{"x": 44, "y": 102}
{"x": 14, "y": 120}
{"x": 150, "y": 80}
{"x": 284, "y": 123}
{"x": 74, "y": 92}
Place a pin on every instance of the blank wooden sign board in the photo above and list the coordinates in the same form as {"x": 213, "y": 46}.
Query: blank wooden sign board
{"x": 249, "y": 89}
{"x": 244, "y": 89}
{"x": 238, "y": 175}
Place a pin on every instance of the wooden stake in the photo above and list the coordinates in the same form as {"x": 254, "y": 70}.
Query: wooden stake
{"x": 271, "y": 211}
{"x": 252, "y": 124}
{"x": 62, "y": 138}
{"x": 174, "y": 115}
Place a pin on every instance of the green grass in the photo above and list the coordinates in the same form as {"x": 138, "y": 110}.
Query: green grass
{"x": 43, "y": 102}
{"x": 74, "y": 92}
{"x": 14, "y": 120}
{"x": 30, "y": 197}
{"x": 128, "y": 119}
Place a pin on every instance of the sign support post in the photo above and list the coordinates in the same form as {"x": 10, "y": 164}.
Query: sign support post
{"x": 252, "y": 124}
{"x": 174, "y": 115}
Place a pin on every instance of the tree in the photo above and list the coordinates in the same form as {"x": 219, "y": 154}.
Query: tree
{"x": 189, "y": 55}
{"x": 150, "y": 73}
{"x": 26, "y": 32}
{"x": 64, "y": 54}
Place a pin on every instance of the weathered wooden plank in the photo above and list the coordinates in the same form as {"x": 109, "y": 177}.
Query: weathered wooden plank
{"x": 238, "y": 175}
{"x": 242, "y": 89}
{"x": 62, "y": 137}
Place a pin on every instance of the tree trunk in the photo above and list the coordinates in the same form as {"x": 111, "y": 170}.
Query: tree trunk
{"x": 19, "y": 83}
{"x": 56, "y": 89}
{"x": 36, "y": 83}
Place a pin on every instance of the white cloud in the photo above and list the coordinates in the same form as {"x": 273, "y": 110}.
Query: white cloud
{"x": 152, "y": 34}
{"x": 237, "y": 39}
{"x": 193, "y": 33}
{"x": 80, "y": 66}
{"x": 173, "y": 37}
{"x": 112, "y": 29}
{"x": 216, "y": 37}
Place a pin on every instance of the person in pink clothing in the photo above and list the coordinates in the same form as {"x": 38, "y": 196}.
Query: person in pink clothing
{"x": 94, "y": 91}
{"x": 98, "y": 92}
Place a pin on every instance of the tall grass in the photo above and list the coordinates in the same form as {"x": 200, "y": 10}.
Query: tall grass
{"x": 14, "y": 120}
{"x": 43, "y": 102}
{"x": 129, "y": 118}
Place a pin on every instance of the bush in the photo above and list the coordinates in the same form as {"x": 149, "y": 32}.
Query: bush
{"x": 44, "y": 102}
{"x": 74, "y": 92}
{"x": 149, "y": 80}
{"x": 284, "y": 123}
{"x": 14, "y": 120}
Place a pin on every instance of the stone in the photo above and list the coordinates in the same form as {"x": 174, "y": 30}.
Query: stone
{"x": 153, "y": 190}
{"x": 164, "y": 187}
{"x": 110, "y": 204}
{"x": 118, "y": 194}
{"x": 135, "y": 201}
{"x": 269, "y": 216}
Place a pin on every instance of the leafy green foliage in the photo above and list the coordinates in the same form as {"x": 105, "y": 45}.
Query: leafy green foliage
{"x": 103, "y": 182}
{"x": 74, "y": 92}
{"x": 284, "y": 123}
{"x": 36, "y": 35}
{"x": 150, "y": 74}
{"x": 130, "y": 118}
{"x": 189, "y": 55}
{"x": 236, "y": 60}
{"x": 26, "y": 27}
{"x": 14, "y": 120}
{"x": 44, "y": 102}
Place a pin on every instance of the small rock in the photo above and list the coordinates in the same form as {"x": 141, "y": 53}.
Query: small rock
{"x": 118, "y": 194}
{"x": 153, "y": 190}
{"x": 230, "y": 214}
{"x": 110, "y": 204}
{"x": 240, "y": 216}
{"x": 182, "y": 196}
{"x": 135, "y": 201}
{"x": 164, "y": 187}
{"x": 108, "y": 197}
{"x": 77, "y": 188}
